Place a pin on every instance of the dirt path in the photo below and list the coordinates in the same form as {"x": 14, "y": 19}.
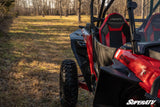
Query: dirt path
{"x": 30, "y": 60}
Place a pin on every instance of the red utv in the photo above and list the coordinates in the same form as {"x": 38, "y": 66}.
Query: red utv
{"x": 120, "y": 63}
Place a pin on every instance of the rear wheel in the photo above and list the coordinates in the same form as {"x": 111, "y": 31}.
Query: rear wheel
{"x": 68, "y": 83}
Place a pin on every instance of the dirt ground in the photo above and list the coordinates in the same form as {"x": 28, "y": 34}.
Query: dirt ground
{"x": 31, "y": 52}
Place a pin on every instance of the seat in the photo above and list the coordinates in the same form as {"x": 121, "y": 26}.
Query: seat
{"x": 152, "y": 29}
{"x": 114, "y": 31}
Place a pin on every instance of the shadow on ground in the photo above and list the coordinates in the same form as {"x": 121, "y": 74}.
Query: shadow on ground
{"x": 30, "y": 56}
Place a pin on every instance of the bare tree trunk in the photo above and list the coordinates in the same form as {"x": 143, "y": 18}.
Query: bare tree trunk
{"x": 79, "y": 11}
{"x": 50, "y": 8}
{"x": 125, "y": 8}
{"x": 75, "y": 7}
{"x": 98, "y": 1}
{"x": 43, "y": 14}
{"x": 148, "y": 7}
{"x": 66, "y": 7}
{"x": 60, "y": 8}
{"x": 37, "y": 10}
{"x": 143, "y": 9}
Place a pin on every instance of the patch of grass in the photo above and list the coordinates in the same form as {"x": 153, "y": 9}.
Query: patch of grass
{"x": 34, "y": 51}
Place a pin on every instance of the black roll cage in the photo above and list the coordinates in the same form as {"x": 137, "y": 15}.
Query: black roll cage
{"x": 131, "y": 5}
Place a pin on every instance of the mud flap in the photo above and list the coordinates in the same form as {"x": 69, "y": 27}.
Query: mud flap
{"x": 110, "y": 85}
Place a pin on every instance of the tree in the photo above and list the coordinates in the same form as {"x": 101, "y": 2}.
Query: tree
{"x": 43, "y": 14}
{"x": 74, "y": 7}
{"x": 98, "y": 6}
{"x": 143, "y": 9}
{"x": 125, "y": 8}
{"x": 60, "y": 8}
{"x": 4, "y": 8}
{"x": 66, "y": 7}
{"x": 79, "y": 11}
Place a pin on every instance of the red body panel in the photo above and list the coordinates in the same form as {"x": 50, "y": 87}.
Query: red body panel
{"x": 88, "y": 40}
{"x": 145, "y": 68}
{"x": 83, "y": 86}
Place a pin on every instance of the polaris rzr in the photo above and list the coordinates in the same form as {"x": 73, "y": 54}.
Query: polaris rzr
{"x": 119, "y": 62}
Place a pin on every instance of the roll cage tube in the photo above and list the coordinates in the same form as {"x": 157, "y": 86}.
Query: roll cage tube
{"x": 131, "y": 6}
{"x": 151, "y": 7}
{"x": 107, "y": 7}
{"x": 152, "y": 10}
{"x": 100, "y": 13}
{"x": 103, "y": 12}
{"x": 92, "y": 17}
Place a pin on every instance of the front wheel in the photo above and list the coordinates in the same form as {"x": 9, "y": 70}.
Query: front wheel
{"x": 68, "y": 83}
